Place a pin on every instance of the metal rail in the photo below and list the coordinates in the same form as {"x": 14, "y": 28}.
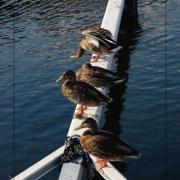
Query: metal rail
{"x": 42, "y": 167}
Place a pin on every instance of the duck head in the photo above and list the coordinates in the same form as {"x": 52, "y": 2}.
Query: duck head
{"x": 68, "y": 75}
{"x": 89, "y": 123}
{"x": 86, "y": 66}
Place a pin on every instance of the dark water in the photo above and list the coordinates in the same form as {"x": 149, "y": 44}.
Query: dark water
{"x": 145, "y": 110}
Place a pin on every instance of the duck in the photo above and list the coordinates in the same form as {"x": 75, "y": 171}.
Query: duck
{"x": 104, "y": 145}
{"x": 97, "y": 76}
{"x": 80, "y": 92}
{"x": 97, "y": 43}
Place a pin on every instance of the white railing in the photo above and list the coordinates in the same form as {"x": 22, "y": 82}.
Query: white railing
{"x": 42, "y": 167}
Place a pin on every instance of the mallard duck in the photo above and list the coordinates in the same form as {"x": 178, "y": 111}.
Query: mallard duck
{"x": 97, "y": 76}
{"x": 98, "y": 30}
{"x": 80, "y": 92}
{"x": 96, "y": 43}
{"x": 104, "y": 145}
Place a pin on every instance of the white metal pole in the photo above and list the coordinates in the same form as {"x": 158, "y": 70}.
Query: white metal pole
{"x": 42, "y": 167}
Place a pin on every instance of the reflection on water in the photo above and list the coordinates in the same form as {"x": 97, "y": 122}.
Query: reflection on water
{"x": 46, "y": 33}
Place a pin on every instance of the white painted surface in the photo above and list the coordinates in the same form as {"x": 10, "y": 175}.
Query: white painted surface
{"x": 109, "y": 172}
{"x": 111, "y": 21}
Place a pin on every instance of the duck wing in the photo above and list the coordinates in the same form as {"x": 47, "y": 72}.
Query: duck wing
{"x": 104, "y": 39}
{"x": 112, "y": 144}
{"x": 101, "y": 146}
{"x": 97, "y": 29}
{"x": 84, "y": 88}
{"x": 103, "y": 73}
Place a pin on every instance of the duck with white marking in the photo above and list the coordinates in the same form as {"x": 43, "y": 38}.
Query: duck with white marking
{"x": 97, "y": 43}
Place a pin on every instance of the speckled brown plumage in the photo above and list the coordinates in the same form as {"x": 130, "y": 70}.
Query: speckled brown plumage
{"x": 80, "y": 92}
{"x": 103, "y": 144}
{"x": 97, "y": 29}
{"x": 97, "y": 41}
{"x": 97, "y": 76}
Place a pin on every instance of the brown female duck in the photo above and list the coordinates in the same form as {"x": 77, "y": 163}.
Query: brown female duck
{"x": 96, "y": 42}
{"x": 104, "y": 145}
{"x": 97, "y": 76}
{"x": 80, "y": 92}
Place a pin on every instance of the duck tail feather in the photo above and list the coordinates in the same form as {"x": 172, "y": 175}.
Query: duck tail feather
{"x": 135, "y": 156}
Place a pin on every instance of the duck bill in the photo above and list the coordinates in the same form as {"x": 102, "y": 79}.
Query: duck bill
{"x": 84, "y": 32}
{"x": 59, "y": 79}
{"x": 79, "y": 127}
